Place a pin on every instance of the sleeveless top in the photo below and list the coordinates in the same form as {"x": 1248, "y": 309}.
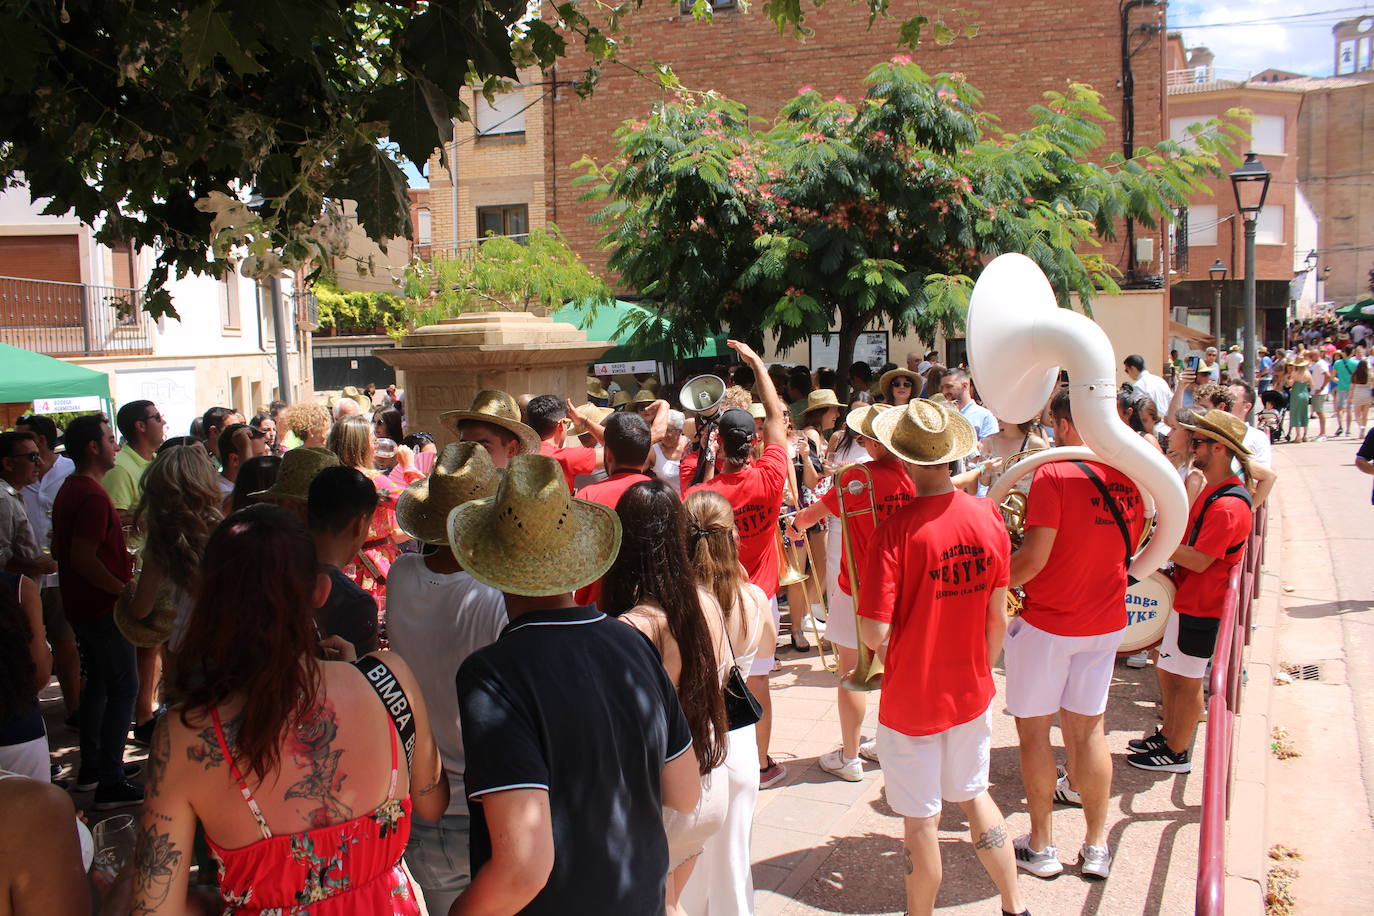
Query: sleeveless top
{"x": 347, "y": 868}
{"x": 668, "y": 470}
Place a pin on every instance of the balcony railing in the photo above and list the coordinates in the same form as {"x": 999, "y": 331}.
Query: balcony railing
{"x": 73, "y": 319}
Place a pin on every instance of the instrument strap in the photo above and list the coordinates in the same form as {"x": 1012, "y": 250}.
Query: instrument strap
{"x": 1110, "y": 502}
{"x": 1236, "y": 490}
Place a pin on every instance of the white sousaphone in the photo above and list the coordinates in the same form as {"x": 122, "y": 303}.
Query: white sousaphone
{"x": 1018, "y": 339}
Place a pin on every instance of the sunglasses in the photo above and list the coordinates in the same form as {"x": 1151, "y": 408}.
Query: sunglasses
{"x": 154, "y": 416}
{"x": 901, "y": 383}
{"x": 31, "y": 456}
{"x": 1204, "y": 441}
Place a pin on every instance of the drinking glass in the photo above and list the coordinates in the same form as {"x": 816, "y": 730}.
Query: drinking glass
{"x": 114, "y": 844}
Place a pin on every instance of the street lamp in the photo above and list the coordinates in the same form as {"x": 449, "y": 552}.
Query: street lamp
{"x": 1218, "y": 273}
{"x": 1250, "y": 183}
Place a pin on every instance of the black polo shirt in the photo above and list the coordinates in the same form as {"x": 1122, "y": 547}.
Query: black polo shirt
{"x": 576, "y": 703}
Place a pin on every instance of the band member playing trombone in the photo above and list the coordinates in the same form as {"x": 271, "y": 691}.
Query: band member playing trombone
{"x": 935, "y": 589}
{"x": 1083, "y": 520}
{"x": 863, "y": 497}
{"x": 754, "y": 489}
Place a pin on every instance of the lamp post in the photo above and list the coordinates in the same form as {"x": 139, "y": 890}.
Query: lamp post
{"x": 1218, "y": 273}
{"x": 1250, "y": 183}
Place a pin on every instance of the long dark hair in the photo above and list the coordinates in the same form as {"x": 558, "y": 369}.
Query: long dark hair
{"x": 16, "y": 686}
{"x": 243, "y": 639}
{"x": 652, "y": 567}
{"x": 390, "y": 420}
{"x": 847, "y": 435}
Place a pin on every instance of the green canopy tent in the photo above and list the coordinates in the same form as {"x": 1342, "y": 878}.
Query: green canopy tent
{"x": 605, "y": 321}
{"x": 1357, "y": 309}
{"x": 25, "y": 375}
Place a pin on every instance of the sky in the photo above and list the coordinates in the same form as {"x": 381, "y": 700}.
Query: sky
{"x": 1258, "y": 34}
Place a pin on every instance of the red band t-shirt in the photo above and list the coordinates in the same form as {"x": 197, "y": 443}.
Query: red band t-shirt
{"x": 892, "y": 490}
{"x": 931, "y": 570}
{"x": 755, "y": 494}
{"x": 1224, "y": 530}
{"x": 574, "y": 459}
{"x": 1082, "y": 589}
{"x": 83, "y": 509}
{"x": 606, "y": 492}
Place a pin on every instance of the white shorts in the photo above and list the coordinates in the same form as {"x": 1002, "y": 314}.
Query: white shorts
{"x": 921, "y": 772}
{"x": 1342, "y": 398}
{"x": 763, "y": 664}
{"x": 1047, "y": 673}
{"x": 1174, "y": 660}
{"x": 1360, "y": 396}
{"x": 839, "y": 624}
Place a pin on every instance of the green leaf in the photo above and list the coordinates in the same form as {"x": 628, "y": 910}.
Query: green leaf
{"x": 207, "y": 36}
{"x": 416, "y": 115}
{"x": 368, "y": 175}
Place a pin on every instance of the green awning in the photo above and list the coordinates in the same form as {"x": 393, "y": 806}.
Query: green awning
{"x": 1356, "y": 309}
{"x": 607, "y": 320}
{"x": 25, "y": 375}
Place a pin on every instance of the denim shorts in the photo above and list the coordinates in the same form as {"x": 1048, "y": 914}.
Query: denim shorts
{"x": 437, "y": 857}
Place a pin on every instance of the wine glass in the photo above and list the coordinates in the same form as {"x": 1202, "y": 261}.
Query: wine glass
{"x": 114, "y": 838}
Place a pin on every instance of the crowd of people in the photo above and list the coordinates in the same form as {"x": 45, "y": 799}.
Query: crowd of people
{"x": 529, "y": 672}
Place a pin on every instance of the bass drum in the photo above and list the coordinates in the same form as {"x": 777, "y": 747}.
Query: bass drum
{"x": 1148, "y": 605}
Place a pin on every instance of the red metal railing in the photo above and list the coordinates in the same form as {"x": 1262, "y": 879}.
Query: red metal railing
{"x": 1224, "y": 686}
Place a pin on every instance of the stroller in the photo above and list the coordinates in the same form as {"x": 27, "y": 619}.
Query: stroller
{"x": 1273, "y": 419}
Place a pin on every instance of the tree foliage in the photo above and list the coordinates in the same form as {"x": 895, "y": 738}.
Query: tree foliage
{"x": 357, "y": 312}
{"x": 840, "y": 214}
{"x": 502, "y": 273}
{"x": 155, "y": 121}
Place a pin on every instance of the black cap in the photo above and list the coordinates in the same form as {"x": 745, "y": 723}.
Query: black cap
{"x": 736, "y": 426}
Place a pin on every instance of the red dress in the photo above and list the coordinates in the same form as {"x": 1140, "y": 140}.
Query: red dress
{"x": 347, "y": 868}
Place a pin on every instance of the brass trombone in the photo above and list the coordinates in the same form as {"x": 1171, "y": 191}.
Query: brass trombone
{"x": 789, "y": 574}
{"x": 868, "y": 671}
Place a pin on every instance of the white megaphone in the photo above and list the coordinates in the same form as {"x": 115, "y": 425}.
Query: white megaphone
{"x": 1018, "y": 338}
{"x": 703, "y": 394}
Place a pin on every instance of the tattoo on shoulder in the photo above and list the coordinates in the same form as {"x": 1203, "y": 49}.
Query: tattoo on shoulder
{"x": 156, "y": 863}
{"x": 205, "y": 749}
{"x": 992, "y": 838}
{"x": 158, "y": 754}
{"x": 311, "y": 747}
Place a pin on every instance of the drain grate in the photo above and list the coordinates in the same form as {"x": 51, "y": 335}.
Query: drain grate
{"x": 1304, "y": 672}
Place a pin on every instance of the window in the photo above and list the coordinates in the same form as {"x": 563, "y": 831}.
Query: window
{"x": 512, "y": 219}
{"x": 1178, "y": 128}
{"x": 505, "y": 114}
{"x": 1269, "y": 226}
{"x": 1202, "y": 225}
{"x": 1266, "y": 135}
{"x": 424, "y": 226}
{"x": 229, "y": 302}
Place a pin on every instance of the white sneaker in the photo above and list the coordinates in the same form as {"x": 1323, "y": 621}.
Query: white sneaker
{"x": 1139, "y": 660}
{"x": 851, "y": 770}
{"x": 868, "y": 750}
{"x": 1043, "y": 863}
{"x": 1063, "y": 795}
{"x": 1095, "y": 860}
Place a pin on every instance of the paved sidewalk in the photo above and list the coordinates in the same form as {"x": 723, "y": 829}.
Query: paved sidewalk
{"x": 822, "y": 845}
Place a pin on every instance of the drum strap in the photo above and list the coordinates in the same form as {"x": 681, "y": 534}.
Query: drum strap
{"x": 1236, "y": 490}
{"x": 1110, "y": 503}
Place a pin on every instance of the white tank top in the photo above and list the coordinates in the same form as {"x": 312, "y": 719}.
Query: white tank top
{"x": 667, "y": 469}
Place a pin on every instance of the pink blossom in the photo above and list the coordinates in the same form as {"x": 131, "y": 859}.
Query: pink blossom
{"x": 840, "y": 99}
{"x": 805, "y": 89}
{"x": 902, "y": 60}
{"x": 1028, "y": 200}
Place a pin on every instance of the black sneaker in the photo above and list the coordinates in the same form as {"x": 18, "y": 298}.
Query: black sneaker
{"x": 86, "y": 781}
{"x": 143, "y": 734}
{"x": 120, "y": 795}
{"x": 1155, "y": 742}
{"x": 1163, "y": 761}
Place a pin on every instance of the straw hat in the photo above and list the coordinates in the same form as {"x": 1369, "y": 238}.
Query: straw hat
{"x": 651, "y": 385}
{"x": 463, "y": 472}
{"x": 860, "y": 419}
{"x": 820, "y": 399}
{"x": 757, "y": 412}
{"x": 595, "y": 389}
{"x": 151, "y": 631}
{"x": 1220, "y": 426}
{"x": 298, "y": 467}
{"x": 592, "y": 412}
{"x": 887, "y": 377}
{"x": 532, "y": 537}
{"x": 925, "y": 433}
{"x": 498, "y": 409}
{"x": 621, "y": 398}
{"x": 643, "y": 396}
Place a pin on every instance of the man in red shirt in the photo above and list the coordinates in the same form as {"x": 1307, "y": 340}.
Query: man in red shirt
{"x": 754, "y": 490}
{"x": 1083, "y": 520}
{"x": 547, "y": 413}
{"x": 935, "y": 591}
{"x": 1214, "y": 542}
{"x": 96, "y": 570}
{"x": 626, "y": 449}
{"x": 892, "y": 490}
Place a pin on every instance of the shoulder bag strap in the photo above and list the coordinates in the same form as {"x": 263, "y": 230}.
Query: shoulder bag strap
{"x": 1110, "y": 502}
{"x": 1235, "y": 490}
{"x": 381, "y": 679}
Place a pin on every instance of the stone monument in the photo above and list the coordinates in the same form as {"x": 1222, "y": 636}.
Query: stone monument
{"x": 444, "y": 365}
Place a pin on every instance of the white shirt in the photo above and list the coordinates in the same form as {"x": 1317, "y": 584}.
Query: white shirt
{"x": 1233, "y": 361}
{"x": 435, "y": 621}
{"x": 1358, "y": 333}
{"x": 1321, "y": 374}
{"x": 38, "y": 500}
{"x": 1156, "y": 389}
{"x": 1257, "y": 441}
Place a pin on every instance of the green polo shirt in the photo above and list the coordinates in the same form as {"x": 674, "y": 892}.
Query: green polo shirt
{"x": 124, "y": 481}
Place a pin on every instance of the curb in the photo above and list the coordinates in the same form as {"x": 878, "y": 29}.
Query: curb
{"x": 1247, "y": 860}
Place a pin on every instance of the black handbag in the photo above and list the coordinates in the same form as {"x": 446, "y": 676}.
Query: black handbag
{"x": 742, "y": 708}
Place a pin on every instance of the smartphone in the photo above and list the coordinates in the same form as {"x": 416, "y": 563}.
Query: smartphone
{"x": 1193, "y": 362}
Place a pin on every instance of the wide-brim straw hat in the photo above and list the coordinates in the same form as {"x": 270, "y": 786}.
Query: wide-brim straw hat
{"x": 886, "y": 379}
{"x": 533, "y": 537}
{"x": 595, "y": 389}
{"x": 498, "y": 409}
{"x": 643, "y": 396}
{"x": 592, "y": 412}
{"x": 153, "y": 630}
{"x": 298, "y": 468}
{"x": 860, "y": 419}
{"x": 820, "y": 399}
{"x": 757, "y": 412}
{"x": 925, "y": 433}
{"x": 620, "y": 399}
{"x": 464, "y": 472}
{"x": 1220, "y": 426}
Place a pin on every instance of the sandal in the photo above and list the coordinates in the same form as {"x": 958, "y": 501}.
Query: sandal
{"x": 803, "y": 645}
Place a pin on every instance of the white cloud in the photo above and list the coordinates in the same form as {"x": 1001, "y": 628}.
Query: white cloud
{"x": 1301, "y": 45}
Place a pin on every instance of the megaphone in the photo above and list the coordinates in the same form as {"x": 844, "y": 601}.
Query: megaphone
{"x": 1018, "y": 337}
{"x": 703, "y": 394}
